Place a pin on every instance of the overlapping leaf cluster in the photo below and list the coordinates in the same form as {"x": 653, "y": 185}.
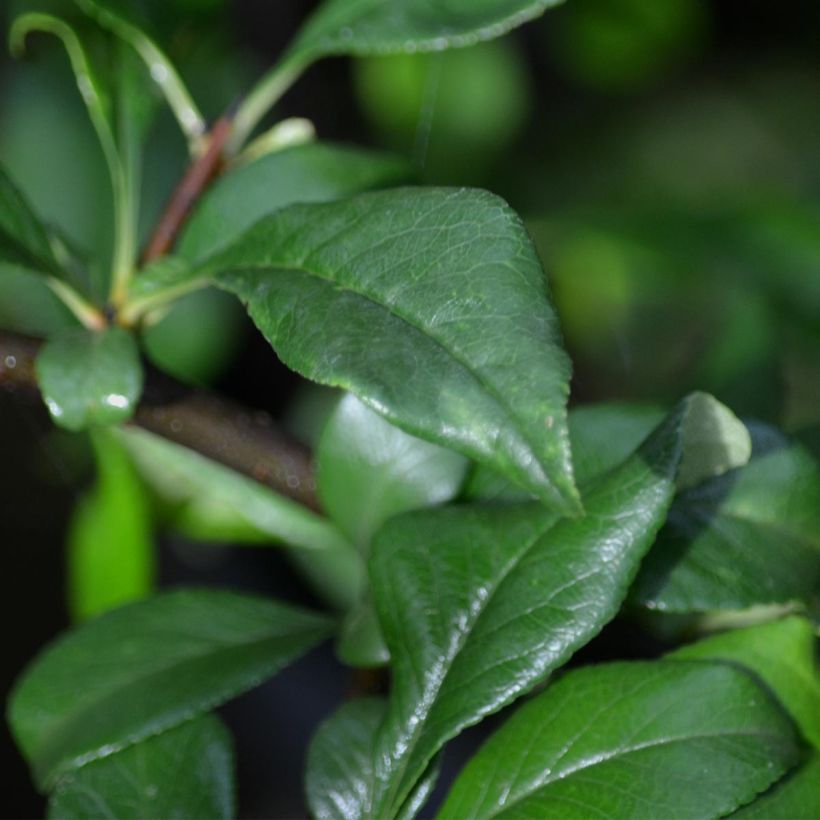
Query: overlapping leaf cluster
{"x": 476, "y": 535}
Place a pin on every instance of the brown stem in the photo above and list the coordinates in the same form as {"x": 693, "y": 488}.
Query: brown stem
{"x": 188, "y": 191}
{"x": 244, "y": 440}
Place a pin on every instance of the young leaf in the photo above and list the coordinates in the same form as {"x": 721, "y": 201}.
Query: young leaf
{"x": 147, "y": 667}
{"x": 317, "y": 172}
{"x": 655, "y": 739}
{"x": 795, "y": 797}
{"x": 184, "y": 772}
{"x": 110, "y": 539}
{"x": 746, "y": 538}
{"x": 479, "y": 604}
{"x": 432, "y": 307}
{"x": 162, "y": 70}
{"x": 90, "y": 378}
{"x": 23, "y": 240}
{"x": 368, "y": 470}
{"x": 782, "y": 654}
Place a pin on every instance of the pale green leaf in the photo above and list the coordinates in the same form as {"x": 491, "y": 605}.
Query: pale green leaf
{"x": 782, "y": 654}
{"x": 110, "y": 539}
{"x": 90, "y": 378}
{"x": 368, "y": 470}
{"x": 147, "y": 667}
{"x": 432, "y": 307}
{"x": 638, "y": 740}
{"x": 794, "y": 797}
{"x": 186, "y": 772}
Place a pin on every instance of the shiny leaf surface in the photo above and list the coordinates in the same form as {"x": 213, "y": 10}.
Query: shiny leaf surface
{"x": 432, "y": 307}
{"x": 186, "y": 772}
{"x": 658, "y": 739}
{"x": 795, "y": 797}
{"x": 90, "y": 378}
{"x": 147, "y": 667}
{"x": 479, "y": 604}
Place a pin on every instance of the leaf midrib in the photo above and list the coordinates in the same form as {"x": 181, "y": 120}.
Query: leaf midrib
{"x": 589, "y": 763}
{"x": 479, "y": 378}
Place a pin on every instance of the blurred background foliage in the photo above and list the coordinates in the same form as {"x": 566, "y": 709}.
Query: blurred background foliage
{"x": 664, "y": 154}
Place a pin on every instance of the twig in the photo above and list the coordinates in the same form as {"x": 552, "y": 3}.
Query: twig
{"x": 244, "y": 440}
{"x": 189, "y": 189}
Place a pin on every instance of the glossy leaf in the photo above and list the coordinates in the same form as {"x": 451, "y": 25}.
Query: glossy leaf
{"x": 373, "y": 27}
{"x": 479, "y": 604}
{"x": 340, "y": 759}
{"x": 186, "y": 772}
{"x": 317, "y": 172}
{"x": 795, "y": 797}
{"x": 602, "y": 435}
{"x": 24, "y": 242}
{"x": 658, "y": 739}
{"x": 368, "y": 470}
{"x": 782, "y": 654}
{"x": 90, "y": 378}
{"x": 431, "y": 306}
{"x": 110, "y": 538}
{"x": 147, "y": 667}
{"x": 749, "y": 537}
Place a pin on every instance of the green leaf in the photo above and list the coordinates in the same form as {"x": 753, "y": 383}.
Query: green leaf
{"x": 307, "y": 173}
{"x": 90, "y": 378}
{"x": 479, "y": 604}
{"x": 601, "y": 435}
{"x": 340, "y": 762}
{"x": 340, "y": 759}
{"x": 185, "y": 772}
{"x": 373, "y": 27}
{"x": 368, "y": 470}
{"x": 749, "y": 537}
{"x": 431, "y": 306}
{"x": 28, "y": 305}
{"x": 24, "y": 242}
{"x": 795, "y": 797}
{"x": 631, "y": 740}
{"x": 147, "y": 667}
{"x": 110, "y": 539}
{"x": 782, "y": 654}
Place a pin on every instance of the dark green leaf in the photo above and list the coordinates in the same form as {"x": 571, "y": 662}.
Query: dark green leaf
{"x": 375, "y": 27}
{"x": 479, "y": 604}
{"x": 110, "y": 539}
{"x": 147, "y": 667}
{"x": 306, "y": 173}
{"x": 631, "y": 740}
{"x": 340, "y": 759}
{"x": 746, "y": 538}
{"x": 24, "y": 242}
{"x": 601, "y": 435}
{"x": 186, "y": 772}
{"x": 432, "y": 307}
{"x": 795, "y": 797}
{"x": 782, "y": 654}
{"x": 90, "y": 378}
{"x": 28, "y": 305}
{"x": 368, "y": 470}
